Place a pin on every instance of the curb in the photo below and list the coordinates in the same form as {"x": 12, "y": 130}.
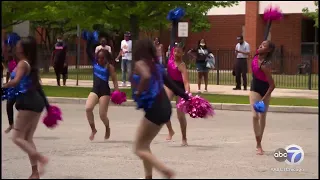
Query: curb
{"x": 216, "y": 106}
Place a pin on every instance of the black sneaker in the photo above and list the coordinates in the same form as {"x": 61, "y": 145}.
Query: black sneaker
{"x": 245, "y": 88}
{"x": 236, "y": 88}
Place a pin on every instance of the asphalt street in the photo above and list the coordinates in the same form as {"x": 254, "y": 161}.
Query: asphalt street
{"x": 219, "y": 147}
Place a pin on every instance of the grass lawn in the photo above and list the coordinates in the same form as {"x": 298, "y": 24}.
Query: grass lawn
{"x": 225, "y": 78}
{"x": 82, "y": 92}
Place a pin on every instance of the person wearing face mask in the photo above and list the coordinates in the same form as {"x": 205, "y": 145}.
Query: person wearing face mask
{"x": 59, "y": 59}
{"x": 242, "y": 52}
{"x": 103, "y": 45}
{"x": 202, "y": 52}
{"x": 126, "y": 53}
{"x": 159, "y": 48}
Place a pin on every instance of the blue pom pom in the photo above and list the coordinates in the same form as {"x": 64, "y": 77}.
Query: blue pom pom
{"x": 13, "y": 39}
{"x": 95, "y": 37}
{"x": 84, "y": 35}
{"x": 176, "y": 14}
{"x": 259, "y": 107}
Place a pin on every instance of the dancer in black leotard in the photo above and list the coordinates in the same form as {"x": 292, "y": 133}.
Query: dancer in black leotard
{"x": 148, "y": 82}
{"x": 262, "y": 85}
{"x": 102, "y": 69}
{"x": 30, "y": 102}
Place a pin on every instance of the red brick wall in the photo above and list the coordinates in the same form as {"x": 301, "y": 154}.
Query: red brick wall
{"x": 287, "y": 32}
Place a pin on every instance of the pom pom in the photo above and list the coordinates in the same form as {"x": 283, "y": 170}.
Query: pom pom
{"x": 13, "y": 39}
{"x": 12, "y": 64}
{"x": 86, "y": 35}
{"x": 176, "y": 14}
{"x": 95, "y": 37}
{"x": 118, "y": 97}
{"x": 259, "y": 107}
{"x": 272, "y": 13}
{"x": 196, "y": 107}
{"x": 52, "y": 117}
{"x": 9, "y": 93}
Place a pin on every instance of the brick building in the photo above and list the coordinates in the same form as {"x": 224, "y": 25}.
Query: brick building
{"x": 294, "y": 35}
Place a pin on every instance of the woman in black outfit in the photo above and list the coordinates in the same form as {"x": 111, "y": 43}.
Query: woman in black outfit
{"x": 148, "y": 80}
{"x": 202, "y": 53}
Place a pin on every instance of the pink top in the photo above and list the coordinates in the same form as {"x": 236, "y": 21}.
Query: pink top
{"x": 173, "y": 70}
{"x": 256, "y": 70}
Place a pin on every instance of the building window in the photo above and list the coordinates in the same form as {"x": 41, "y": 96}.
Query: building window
{"x": 309, "y": 38}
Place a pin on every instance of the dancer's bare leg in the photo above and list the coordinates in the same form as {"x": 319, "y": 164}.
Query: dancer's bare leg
{"x": 147, "y": 131}
{"x": 90, "y": 104}
{"x": 29, "y": 137}
{"x": 183, "y": 125}
{"x": 168, "y": 124}
{"x": 254, "y": 97}
{"x": 103, "y": 110}
{"x": 26, "y": 123}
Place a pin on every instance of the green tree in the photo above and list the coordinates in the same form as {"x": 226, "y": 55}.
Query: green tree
{"x": 140, "y": 15}
{"x": 314, "y": 15}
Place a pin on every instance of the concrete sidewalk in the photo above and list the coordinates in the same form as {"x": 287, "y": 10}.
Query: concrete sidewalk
{"x": 212, "y": 89}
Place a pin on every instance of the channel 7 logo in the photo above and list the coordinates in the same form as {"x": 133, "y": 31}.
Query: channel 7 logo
{"x": 292, "y": 154}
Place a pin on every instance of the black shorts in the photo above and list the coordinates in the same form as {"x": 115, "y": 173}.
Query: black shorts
{"x": 30, "y": 101}
{"x": 161, "y": 110}
{"x": 260, "y": 87}
{"x": 101, "y": 91}
{"x": 180, "y": 85}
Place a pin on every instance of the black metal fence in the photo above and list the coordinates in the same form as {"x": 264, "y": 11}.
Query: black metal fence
{"x": 289, "y": 71}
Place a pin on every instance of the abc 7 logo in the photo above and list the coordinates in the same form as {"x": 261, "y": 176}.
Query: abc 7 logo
{"x": 292, "y": 155}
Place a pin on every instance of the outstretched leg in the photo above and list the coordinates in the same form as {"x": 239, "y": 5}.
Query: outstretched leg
{"x": 103, "y": 110}
{"x": 254, "y": 97}
{"x": 168, "y": 124}
{"x": 90, "y": 104}
{"x": 183, "y": 125}
{"x": 147, "y": 131}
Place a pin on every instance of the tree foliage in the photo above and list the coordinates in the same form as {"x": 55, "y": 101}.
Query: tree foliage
{"x": 314, "y": 15}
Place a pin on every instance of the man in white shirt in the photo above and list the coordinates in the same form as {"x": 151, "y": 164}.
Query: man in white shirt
{"x": 103, "y": 45}
{"x": 126, "y": 53}
{"x": 241, "y": 68}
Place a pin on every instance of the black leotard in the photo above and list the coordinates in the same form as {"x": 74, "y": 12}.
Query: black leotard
{"x": 100, "y": 81}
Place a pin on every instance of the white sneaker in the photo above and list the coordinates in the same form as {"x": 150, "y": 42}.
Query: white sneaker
{"x": 199, "y": 91}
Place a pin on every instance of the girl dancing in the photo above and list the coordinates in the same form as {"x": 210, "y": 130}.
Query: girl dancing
{"x": 10, "y": 102}
{"x": 177, "y": 71}
{"x": 102, "y": 69}
{"x": 148, "y": 92}
{"x": 262, "y": 85}
{"x": 30, "y": 102}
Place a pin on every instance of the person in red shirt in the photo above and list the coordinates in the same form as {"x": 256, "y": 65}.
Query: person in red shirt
{"x": 59, "y": 59}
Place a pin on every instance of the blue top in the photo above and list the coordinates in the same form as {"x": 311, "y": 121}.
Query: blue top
{"x": 100, "y": 72}
{"x": 21, "y": 88}
{"x": 147, "y": 97}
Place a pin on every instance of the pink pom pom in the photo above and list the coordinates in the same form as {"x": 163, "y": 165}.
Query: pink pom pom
{"x": 196, "y": 107}
{"x": 118, "y": 97}
{"x": 272, "y": 13}
{"x": 11, "y": 65}
{"x": 52, "y": 117}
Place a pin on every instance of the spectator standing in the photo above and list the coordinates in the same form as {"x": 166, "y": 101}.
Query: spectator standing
{"x": 242, "y": 51}
{"x": 202, "y": 52}
{"x": 59, "y": 58}
{"x": 126, "y": 53}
